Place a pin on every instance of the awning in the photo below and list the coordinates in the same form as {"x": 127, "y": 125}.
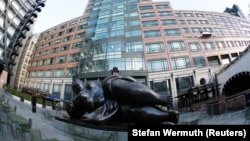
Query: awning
{"x": 54, "y": 98}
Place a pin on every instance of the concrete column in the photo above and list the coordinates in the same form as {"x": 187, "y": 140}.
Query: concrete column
{"x": 174, "y": 92}
{"x": 51, "y": 87}
{"x": 62, "y": 89}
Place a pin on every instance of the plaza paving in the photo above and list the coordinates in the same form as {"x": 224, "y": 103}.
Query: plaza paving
{"x": 55, "y": 129}
{"x": 49, "y": 128}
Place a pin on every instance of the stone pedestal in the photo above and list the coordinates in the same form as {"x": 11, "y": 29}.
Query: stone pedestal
{"x": 117, "y": 132}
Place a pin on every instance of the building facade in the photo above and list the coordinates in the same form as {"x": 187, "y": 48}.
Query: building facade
{"x": 169, "y": 50}
{"x": 18, "y": 81}
{"x": 11, "y": 14}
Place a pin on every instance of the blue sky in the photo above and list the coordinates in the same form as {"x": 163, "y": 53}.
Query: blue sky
{"x": 58, "y": 11}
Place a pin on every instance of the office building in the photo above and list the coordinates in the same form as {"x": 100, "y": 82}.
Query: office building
{"x": 171, "y": 51}
{"x": 12, "y": 12}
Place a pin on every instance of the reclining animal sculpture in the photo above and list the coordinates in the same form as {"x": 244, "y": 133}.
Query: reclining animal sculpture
{"x": 119, "y": 100}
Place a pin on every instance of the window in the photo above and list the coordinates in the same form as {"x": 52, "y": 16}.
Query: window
{"x": 152, "y": 33}
{"x": 149, "y": 23}
{"x": 196, "y": 29}
{"x": 185, "y": 30}
{"x": 73, "y": 23}
{"x": 132, "y": 23}
{"x": 43, "y": 62}
{"x": 213, "y": 61}
{"x": 148, "y": 7}
{"x": 192, "y": 22}
{"x": 208, "y": 45}
{"x": 218, "y": 31}
{"x": 40, "y": 74}
{"x": 81, "y": 27}
{"x": 165, "y": 13}
{"x": 180, "y": 63}
{"x": 48, "y": 73}
{"x": 58, "y": 73}
{"x": 116, "y": 32}
{"x": 182, "y": 22}
{"x": 51, "y": 61}
{"x": 53, "y": 50}
{"x": 183, "y": 83}
{"x": 57, "y": 41}
{"x": 161, "y": 86}
{"x": 208, "y": 29}
{"x": 61, "y": 59}
{"x": 147, "y": 15}
{"x": 63, "y": 26}
{"x": 133, "y": 33}
{"x": 199, "y": 62}
{"x": 70, "y": 30}
{"x": 132, "y": 14}
{"x": 172, "y": 32}
{"x": 71, "y": 72}
{"x": 220, "y": 44}
{"x": 176, "y": 46}
{"x": 83, "y": 20}
{"x": 178, "y": 14}
{"x": 168, "y": 22}
{"x": 64, "y": 47}
{"x": 194, "y": 46}
{"x": 164, "y": 6}
{"x": 157, "y": 65}
{"x": 46, "y": 87}
{"x": 155, "y": 47}
{"x": 117, "y": 23}
{"x": 230, "y": 43}
{"x": 68, "y": 38}
{"x": 77, "y": 45}
{"x": 79, "y": 35}
{"x": 188, "y": 15}
{"x": 74, "y": 57}
{"x": 203, "y": 21}
{"x": 60, "y": 33}
{"x": 56, "y": 89}
{"x": 134, "y": 47}
{"x": 199, "y": 15}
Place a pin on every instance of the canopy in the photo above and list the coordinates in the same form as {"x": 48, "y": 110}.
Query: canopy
{"x": 54, "y": 98}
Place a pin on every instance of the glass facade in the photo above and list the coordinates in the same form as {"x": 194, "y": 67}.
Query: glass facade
{"x": 116, "y": 40}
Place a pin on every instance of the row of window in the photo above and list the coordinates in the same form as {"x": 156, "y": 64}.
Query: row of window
{"x": 150, "y": 7}
{"x": 65, "y": 39}
{"x": 158, "y": 47}
{"x": 178, "y": 32}
{"x": 57, "y": 60}
{"x": 153, "y": 66}
{"x": 58, "y": 49}
{"x": 171, "y": 22}
{"x": 53, "y": 73}
{"x": 182, "y": 63}
{"x": 166, "y": 6}
{"x": 68, "y": 26}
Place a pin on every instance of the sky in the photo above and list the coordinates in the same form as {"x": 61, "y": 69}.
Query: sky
{"x": 58, "y": 11}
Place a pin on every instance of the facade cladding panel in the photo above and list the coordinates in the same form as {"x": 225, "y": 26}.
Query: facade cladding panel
{"x": 166, "y": 49}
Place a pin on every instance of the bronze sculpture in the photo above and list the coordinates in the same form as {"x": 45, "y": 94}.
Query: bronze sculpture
{"x": 119, "y": 99}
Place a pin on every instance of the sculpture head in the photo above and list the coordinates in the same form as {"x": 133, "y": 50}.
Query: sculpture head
{"x": 77, "y": 86}
{"x": 90, "y": 98}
